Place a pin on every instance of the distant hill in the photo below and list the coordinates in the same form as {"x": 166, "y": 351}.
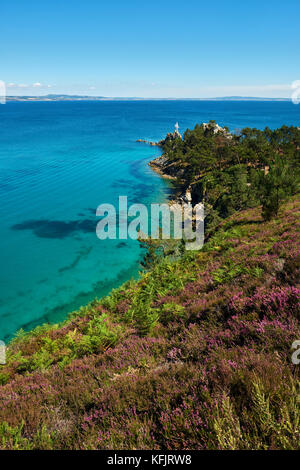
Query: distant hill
{"x": 247, "y": 98}
{"x": 54, "y": 97}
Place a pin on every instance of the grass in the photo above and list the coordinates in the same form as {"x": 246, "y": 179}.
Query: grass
{"x": 194, "y": 355}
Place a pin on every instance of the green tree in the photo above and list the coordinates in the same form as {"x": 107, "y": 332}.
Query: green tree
{"x": 275, "y": 186}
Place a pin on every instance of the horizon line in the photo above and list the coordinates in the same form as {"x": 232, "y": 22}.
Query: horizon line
{"x": 99, "y": 97}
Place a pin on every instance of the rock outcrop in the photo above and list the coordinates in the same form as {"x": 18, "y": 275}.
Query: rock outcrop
{"x": 149, "y": 142}
{"x": 171, "y": 136}
{"x": 215, "y": 128}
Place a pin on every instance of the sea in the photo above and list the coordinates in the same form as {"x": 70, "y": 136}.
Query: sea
{"x": 59, "y": 161}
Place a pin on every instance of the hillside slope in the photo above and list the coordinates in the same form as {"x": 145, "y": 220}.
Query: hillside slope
{"x": 194, "y": 355}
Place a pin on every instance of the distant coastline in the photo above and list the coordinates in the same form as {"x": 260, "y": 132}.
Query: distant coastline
{"x": 53, "y": 97}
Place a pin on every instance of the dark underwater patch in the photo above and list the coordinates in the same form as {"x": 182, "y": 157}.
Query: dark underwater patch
{"x": 121, "y": 183}
{"x": 56, "y": 228}
{"x": 121, "y": 245}
{"x": 92, "y": 210}
{"x": 81, "y": 254}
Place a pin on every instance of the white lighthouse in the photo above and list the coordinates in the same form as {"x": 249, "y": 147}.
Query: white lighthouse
{"x": 176, "y": 132}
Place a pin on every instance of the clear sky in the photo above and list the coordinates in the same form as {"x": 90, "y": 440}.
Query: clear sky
{"x": 150, "y": 49}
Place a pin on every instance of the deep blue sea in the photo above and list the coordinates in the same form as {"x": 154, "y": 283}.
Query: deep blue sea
{"x": 58, "y": 162}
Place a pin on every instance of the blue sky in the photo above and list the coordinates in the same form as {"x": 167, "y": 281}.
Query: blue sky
{"x": 150, "y": 49}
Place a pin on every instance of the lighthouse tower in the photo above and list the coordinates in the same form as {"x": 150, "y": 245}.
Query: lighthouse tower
{"x": 176, "y": 132}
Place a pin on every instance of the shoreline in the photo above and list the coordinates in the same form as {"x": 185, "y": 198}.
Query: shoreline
{"x": 157, "y": 166}
{"x": 179, "y": 197}
{"x": 45, "y": 319}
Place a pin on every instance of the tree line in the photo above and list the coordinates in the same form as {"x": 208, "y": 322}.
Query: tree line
{"x": 234, "y": 171}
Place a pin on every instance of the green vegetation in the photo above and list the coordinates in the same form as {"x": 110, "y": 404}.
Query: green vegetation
{"x": 196, "y": 354}
{"x": 276, "y": 186}
{"x": 232, "y": 172}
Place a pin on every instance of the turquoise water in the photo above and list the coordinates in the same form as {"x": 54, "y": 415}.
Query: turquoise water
{"x": 58, "y": 162}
